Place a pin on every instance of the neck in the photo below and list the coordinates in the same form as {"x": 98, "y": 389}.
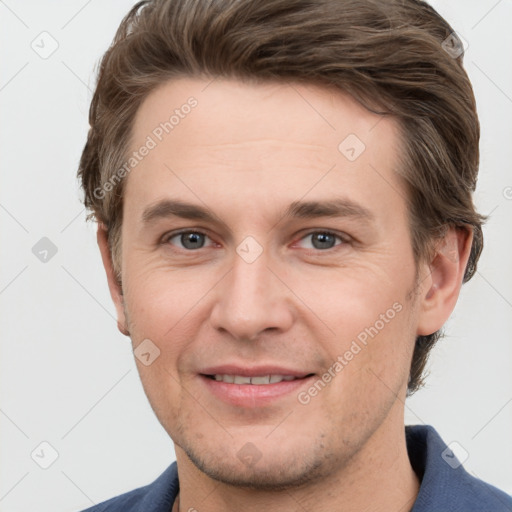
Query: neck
{"x": 378, "y": 478}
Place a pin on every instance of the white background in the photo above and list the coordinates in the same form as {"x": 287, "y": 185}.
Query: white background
{"x": 68, "y": 376}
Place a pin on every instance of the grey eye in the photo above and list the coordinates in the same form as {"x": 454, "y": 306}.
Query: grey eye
{"x": 190, "y": 239}
{"x": 321, "y": 240}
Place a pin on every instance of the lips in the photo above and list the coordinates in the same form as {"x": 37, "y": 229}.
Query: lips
{"x": 255, "y": 376}
{"x": 256, "y": 386}
{"x": 254, "y": 371}
{"x": 257, "y": 380}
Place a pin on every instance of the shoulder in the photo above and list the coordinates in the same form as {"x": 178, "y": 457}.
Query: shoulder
{"x": 158, "y": 496}
{"x": 445, "y": 484}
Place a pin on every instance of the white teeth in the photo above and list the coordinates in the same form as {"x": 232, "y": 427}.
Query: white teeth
{"x": 265, "y": 379}
{"x": 258, "y": 381}
{"x": 240, "y": 379}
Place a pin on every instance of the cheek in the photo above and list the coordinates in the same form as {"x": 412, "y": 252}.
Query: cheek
{"x": 160, "y": 308}
{"x": 358, "y": 303}
{"x": 373, "y": 335}
{"x": 373, "y": 371}
{"x": 160, "y": 300}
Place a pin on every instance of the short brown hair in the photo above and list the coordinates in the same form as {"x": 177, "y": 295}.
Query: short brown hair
{"x": 398, "y": 58}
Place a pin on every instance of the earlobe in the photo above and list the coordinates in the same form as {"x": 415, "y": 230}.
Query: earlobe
{"x": 114, "y": 286}
{"x": 442, "y": 286}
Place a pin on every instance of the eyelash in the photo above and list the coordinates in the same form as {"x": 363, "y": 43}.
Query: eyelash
{"x": 344, "y": 239}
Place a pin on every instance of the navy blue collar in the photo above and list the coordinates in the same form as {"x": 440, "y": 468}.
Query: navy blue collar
{"x": 445, "y": 484}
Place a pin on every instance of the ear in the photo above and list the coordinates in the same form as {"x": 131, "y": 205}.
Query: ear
{"x": 114, "y": 286}
{"x": 440, "y": 290}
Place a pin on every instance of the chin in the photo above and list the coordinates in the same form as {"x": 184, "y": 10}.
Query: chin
{"x": 251, "y": 469}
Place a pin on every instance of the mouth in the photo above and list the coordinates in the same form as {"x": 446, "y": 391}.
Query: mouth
{"x": 257, "y": 380}
{"x": 250, "y": 392}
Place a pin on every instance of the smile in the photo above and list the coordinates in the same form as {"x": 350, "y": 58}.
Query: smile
{"x": 256, "y": 380}
{"x": 249, "y": 392}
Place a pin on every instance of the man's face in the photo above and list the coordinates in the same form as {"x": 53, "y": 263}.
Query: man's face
{"x": 266, "y": 282}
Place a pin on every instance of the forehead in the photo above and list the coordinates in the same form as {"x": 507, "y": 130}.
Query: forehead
{"x": 224, "y": 135}
{"x": 230, "y": 110}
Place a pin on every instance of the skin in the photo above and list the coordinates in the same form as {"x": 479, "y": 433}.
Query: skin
{"x": 245, "y": 153}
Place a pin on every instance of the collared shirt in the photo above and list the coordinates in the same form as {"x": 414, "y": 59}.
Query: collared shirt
{"x": 445, "y": 485}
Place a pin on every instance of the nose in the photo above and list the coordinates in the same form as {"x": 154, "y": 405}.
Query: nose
{"x": 251, "y": 299}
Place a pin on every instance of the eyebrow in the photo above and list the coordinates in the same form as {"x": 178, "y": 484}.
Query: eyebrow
{"x": 298, "y": 209}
